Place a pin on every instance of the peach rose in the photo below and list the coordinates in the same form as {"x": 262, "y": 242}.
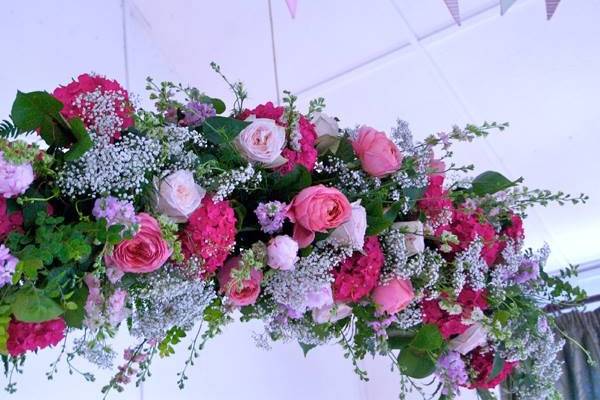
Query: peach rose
{"x": 393, "y": 296}
{"x": 378, "y": 155}
{"x": 317, "y": 209}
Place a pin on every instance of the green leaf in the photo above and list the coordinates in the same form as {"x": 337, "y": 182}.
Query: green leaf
{"x": 306, "y": 348}
{"x": 415, "y": 364}
{"x": 491, "y": 182}
{"x": 240, "y": 213}
{"x": 291, "y": 183}
{"x": 428, "y": 338}
{"x": 40, "y": 110}
{"x": 378, "y": 220}
{"x": 345, "y": 152}
{"x": 221, "y": 130}
{"x": 74, "y": 318}
{"x": 413, "y": 195}
{"x": 83, "y": 142}
{"x": 30, "y": 267}
{"x": 399, "y": 342}
{"x": 485, "y": 394}
{"x": 497, "y": 367}
{"x": 31, "y": 305}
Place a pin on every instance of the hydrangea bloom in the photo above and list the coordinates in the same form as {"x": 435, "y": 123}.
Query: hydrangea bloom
{"x": 271, "y": 215}
{"x": 101, "y": 103}
{"x": 15, "y": 179}
{"x": 8, "y": 262}
{"x": 115, "y": 211}
{"x": 358, "y": 275}
{"x": 9, "y": 221}
{"x": 210, "y": 233}
{"x": 25, "y": 336}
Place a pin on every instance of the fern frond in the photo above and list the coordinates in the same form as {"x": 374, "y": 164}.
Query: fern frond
{"x": 9, "y": 130}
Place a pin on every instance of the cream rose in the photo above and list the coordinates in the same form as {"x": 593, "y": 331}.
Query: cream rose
{"x": 413, "y": 236}
{"x": 331, "y": 313}
{"x": 262, "y": 141}
{"x": 328, "y": 131}
{"x": 178, "y": 195}
{"x": 352, "y": 232}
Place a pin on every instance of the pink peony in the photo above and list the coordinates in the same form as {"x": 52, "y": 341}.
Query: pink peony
{"x": 244, "y": 293}
{"x": 393, "y": 296}
{"x": 358, "y": 275}
{"x": 145, "y": 252}
{"x": 378, "y": 155}
{"x": 317, "y": 209}
{"x": 102, "y": 104}
{"x": 282, "y": 253}
{"x": 25, "y": 336}
{"x": 210, "y": 233}
{"x": 14, "y": 179}
{"x": 178, "y": 195}
{"x": 9, "y": 222}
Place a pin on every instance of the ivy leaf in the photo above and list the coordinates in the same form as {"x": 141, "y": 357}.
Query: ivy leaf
{"x": 428, "y": 338}
{"x": 222, "y": 130}
{"x": 491, "y": 182}
{"x": 415, "y": 364}
{"x": 83, "y": 142}
{"x": 31, "y": 305}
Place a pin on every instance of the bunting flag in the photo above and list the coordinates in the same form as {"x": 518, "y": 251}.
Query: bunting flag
{"x": 292, "y": 6}
{"x": 453, "y": 7}
{"x": 505, "y": 5}
{"x": 551, "y": 7}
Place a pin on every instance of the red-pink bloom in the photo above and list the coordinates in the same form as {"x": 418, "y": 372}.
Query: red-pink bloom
{"x": 317, "y": 209}
{"x": 26, "y": 336}
{"x": 145, "y": 252}
{"x": 358, "y": 275}
{"x": 378, "y": 155}
{"x": 449, "y": 325}
{"x": 483, "y": 364}
{"x": 9, "y": 221}
{"x": 393, "y": 296}
{"x": 307, "y": 154}
{"x": 239, "y": 295}
{"x": 514, "y": 230}
{"x": 435, "y": 202}
{"x": 101, "y": 103}
{"x": 210, "y": 233}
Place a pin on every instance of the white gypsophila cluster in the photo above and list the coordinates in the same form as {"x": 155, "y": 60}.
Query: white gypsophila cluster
{"x": 402, "y": 136}
{"x": 241, "y": 178}
{"x": 310, "y": 275}
{"x": 502, "y": 274}
{"x": 99, "y": 110}
{"x": 393, "y": 244}
{"x": 167, "y": 298}
{"x": 410, "y": 317}
{"x": 427, "y": 267}
{"x": 472, "y": 265}
{"x": 352, "y": 182}
{"x": 176, "y": 139}
{"x": 97, "y": 353}
{"x": 120, "y": 168}
{"x": 300, "y": 330}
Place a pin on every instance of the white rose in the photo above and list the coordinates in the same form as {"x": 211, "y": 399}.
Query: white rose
{"x": 331, "y": 313}
{"x": 474, "y": 336}
{"x": 328, "y": 131}
{"x": 262, "y": 141}
{"x": 352, "y": 232}
{"x": 413, "y": 234}
{"x": 178, "y": 195}
{"x": 282, "y": 253}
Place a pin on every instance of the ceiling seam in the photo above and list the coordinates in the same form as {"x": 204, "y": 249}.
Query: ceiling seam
{"x": 274, "y": 52}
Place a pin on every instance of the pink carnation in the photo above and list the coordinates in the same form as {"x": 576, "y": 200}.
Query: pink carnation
{"x": 307, "y": 155}
{"x": 101, "y": 103}
{"x": 358, "y": 275}
{"x": 25, "y": 336}
{"x": 210, "y": 233}
{"x": 9, "y": 221}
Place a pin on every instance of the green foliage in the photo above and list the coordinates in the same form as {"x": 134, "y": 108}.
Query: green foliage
{"x": 490, "y": 182}
{"x": 9, "y": 130}
{"x": 83, "y": 142}
{"x": 416, "y": 364}
{"x": 306, "y": 348}
{"x": 32, "y": 305}
{"x": 173, "y": 336}
{"x": 559, "y": 287}
{"x": 290, "y": 184}
{"x": 485, "y": 394}
{"x": 4, "y": 321}
{"x": 379, "y": 219}
{"x": 74, "y": 316}
{"x": 428, "y": 338}
{"x": 221, "y": 130}
{"x": 345, "y": 152}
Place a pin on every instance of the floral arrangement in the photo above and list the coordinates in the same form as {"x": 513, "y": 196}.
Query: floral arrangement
{"x": 181, "y": 219}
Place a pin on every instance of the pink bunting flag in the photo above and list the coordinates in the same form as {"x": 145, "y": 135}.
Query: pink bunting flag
{"x": 292, "y": 6}
{"x": 505, "y": 5}
{"x": 453, "y": 7}
{"x": 551, "y": 7}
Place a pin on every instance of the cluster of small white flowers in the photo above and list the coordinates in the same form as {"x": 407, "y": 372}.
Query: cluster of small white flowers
{"x": 353, "y": 182}
{"x": 119, "y": 168}
{"x": 472, "y": 265}
{"x": 393, "y": 243}
{"x": 500, "y": 276}
{"x": 95, "y": 352}
{"x": 409, "y": 317}
{"x": 167, "y": 298}
{"x": 402, "y": 136}
{"x": 242, "y": 178}
{"x": 418, "y": 180}
{"x": 176, "y": 139}
{"x": 294, "y": 139}
{"x": 300, "y": 330}
{"x": 427, "y": 267}
{"x": 99, "y": 112}
{"x": 310, "y": 275}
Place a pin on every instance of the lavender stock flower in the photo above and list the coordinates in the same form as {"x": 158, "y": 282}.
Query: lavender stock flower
{"x": 271, "y": 215}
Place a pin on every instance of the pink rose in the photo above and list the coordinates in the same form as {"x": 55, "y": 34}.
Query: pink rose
{"x": 475, "y": 336}
{"x": 15, "y": 179}
{"x": 282, "y": 253}
{"x": 331, "y": 313}
{"x": 317, "y": 209}
{"x": 393, "y": 296}
{"x": 262, "y": 141}
{"x": 244, "y": 293}
{"x": 178, "y": 195}
{"x": 378, "y": 155}
{"x": 352, "y": 232}
{"x": 145, "y": 252}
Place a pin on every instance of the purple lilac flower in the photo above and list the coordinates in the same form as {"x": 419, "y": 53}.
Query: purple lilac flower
{"x": 196, "y": 112}
{"x": 115, "y": 211}
{"x": 8, "y": 262}
{"x": 271, "y": 215}
{"x": 452, "y": 371}
{"x": 528, "y": 270}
